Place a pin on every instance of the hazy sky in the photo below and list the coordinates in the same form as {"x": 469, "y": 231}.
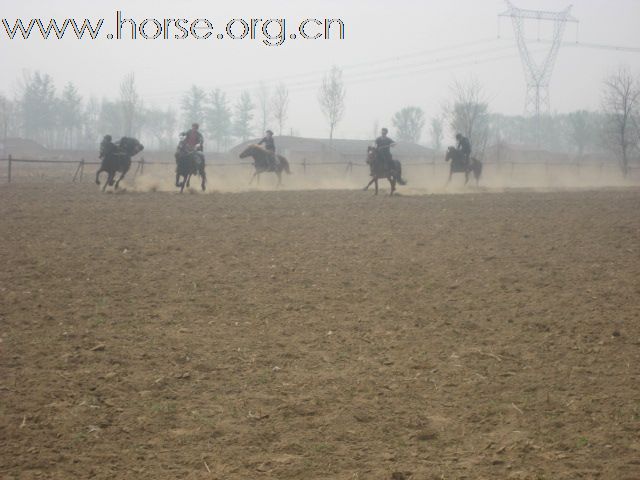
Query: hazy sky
{"x": 395, "y": 54}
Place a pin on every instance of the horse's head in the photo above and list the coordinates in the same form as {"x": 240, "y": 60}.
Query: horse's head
{"x": 372, "y": 154}
{"x": 450, "y": 154}
{"x": 249, "y": 151}
{"x": 130, "y": 146}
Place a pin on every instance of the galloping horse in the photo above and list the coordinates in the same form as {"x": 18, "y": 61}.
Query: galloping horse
{"x": 460, "y": 165}
{"x": 380, "y": 169}
{"x": 120, "y": 161}
{"x": 263, "y": 162}
{"x": 189, "y": 164}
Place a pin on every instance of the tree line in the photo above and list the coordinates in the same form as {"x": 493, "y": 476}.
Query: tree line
{"x": 63, "y": 119}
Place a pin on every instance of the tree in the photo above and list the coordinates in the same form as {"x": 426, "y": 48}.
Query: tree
{"x": 436, "y": 134}
{"x": 130, "y": 104}
{"x": 469, "y": 113}
{"x": 409, "y": 123}
{"x": 580, "y": 129}
{"x": 110, "y": 119}
{"x": 8, "y": 118}
{"x": 331, "y": 98}
{"x": 620, "y": 101}
{"x": 161, "y": 124}
{"x": 242, "y": 122}
{"x": 194, "y": 104}
{"x": 38, "y": 107}
{"x": 219, "y": 119}
{"x": 280, "y": 105}
{"x": 262, "y": 96}
{"x": 70, "y": 113}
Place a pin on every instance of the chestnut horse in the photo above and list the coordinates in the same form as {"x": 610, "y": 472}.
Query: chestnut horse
{"x": 264, "y": 162}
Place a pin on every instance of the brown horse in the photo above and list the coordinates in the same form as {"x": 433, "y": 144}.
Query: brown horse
{"x": 459, "y": 165}
{"x": 264, "y": 161}
{"x": 379, "y": 168}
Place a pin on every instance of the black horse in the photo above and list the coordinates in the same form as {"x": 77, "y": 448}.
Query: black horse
{"x": 189, "y": 164}
{"x": 263, "y": 162}
{"x": 118, "y": 161}
{"x": 459, "y": 164}
{"x": 379, "y": 168}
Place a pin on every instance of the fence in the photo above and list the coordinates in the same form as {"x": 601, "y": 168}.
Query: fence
{"x": 504, "y": 170}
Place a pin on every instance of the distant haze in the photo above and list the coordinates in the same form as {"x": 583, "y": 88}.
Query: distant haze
{"x": 375, "y": 32}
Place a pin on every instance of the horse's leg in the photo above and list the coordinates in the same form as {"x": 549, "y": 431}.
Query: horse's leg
{"x": 177, "y": 179}
{"x": 369, "y": 184}
{"x": 203, "y": 175}
{"x": 258, "y": 179}
{"x": 450, "y": 175}
{"x": 279, "y": 174}
{"x": 98, "y": 175}
{"x": 121, "y": 177}
{"x": 392, "y": 181}
{"x": 109, "y": 180}
{"x": 185, "y": 181}
{"x": 466, "y": 177}
{"x": 376, "y": 183}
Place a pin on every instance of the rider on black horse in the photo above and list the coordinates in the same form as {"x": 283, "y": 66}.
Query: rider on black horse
{"x": 191, "y": 140}
{"x": 269, "y": 146}
{"x": 384, "y": 144}
{"x": 107, "y": 147}
{"x": 464, "y": 147}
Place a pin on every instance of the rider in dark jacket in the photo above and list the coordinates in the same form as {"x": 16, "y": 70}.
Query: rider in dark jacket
{"x": 269, "y": 145}
{"x": 384, "y": 144}
{"x": 107, "y": 147}
{"x": 464, "y": 146}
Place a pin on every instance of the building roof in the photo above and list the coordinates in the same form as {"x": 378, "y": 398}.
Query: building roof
{"x": 336, "y": 147}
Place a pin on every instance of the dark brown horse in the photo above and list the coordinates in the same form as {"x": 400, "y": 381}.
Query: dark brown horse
{"x": 459, "y": 164}
{"x": 264, "y": 162}
{"x": 379, "y": 168}
{"x": 119, "y": 161}
{"x": 189, "y": 164}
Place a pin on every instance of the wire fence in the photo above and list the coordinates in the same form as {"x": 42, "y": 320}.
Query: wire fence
{"x": 74, "y": 170}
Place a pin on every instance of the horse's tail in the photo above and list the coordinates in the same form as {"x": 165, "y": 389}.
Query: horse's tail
{"x": 285, "y": 165}
{"x": 401, "y": 181}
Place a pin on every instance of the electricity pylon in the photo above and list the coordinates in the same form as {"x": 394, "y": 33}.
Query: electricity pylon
{"x": 538, "y": 75}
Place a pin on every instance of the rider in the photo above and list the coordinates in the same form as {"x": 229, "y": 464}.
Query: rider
{"x": 464, "y": 147}
{"x": 269, "y": 146}
{"x": 384, "y": 144}
{"x": 193, "y": 139}
{"x": 190, "y": 140}
{"x": 107, "y": 147}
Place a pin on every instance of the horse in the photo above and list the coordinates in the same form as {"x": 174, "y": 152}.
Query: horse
{"x": 263, "y": 162}
{"x": 189, "y": 164}
{"x": 379, "y": 168}
{"x": 120, "y": 161}
{"x": 459, "y": 165}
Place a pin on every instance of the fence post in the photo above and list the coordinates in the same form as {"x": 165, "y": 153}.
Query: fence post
{"x": 304, "y": 166}
{"x": 141, "y": 165}
{"x": 78, "y": 171}
{"x": 9, "y": 170}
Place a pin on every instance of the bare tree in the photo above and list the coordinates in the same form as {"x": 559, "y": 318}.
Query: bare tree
{"x": 437, "y": 134}
{"x": 468, "y": 114}
{"x": 264, "y": 111}
{"x": 331, "y": 98}
{"x": 130, "y": 103}
{"x": 620, "y": 101}
{"x": 409, "y": 123}
{"x": 280, "y": 104}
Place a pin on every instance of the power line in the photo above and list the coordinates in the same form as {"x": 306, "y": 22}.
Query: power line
{"x": 368, "y": 64}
